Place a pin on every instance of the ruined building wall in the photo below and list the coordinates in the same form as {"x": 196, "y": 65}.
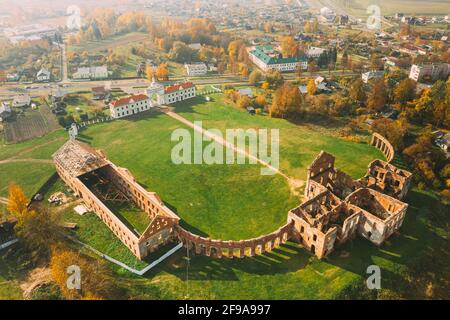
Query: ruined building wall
{"x": 234, "y": 249}
{"x": 382, "y": 144}
{"x": 127, "y": 237}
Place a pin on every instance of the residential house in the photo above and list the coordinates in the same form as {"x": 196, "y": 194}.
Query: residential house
{"x": 22, "y": 100}
{"x": 43, "y": 75}
{"x": 92, "y": 73}
{"x": 128, "y": 106}
{"x": 367, "y": 76}
{"x": 196, "y": 69}
{"x": 5, "y": 111}
{"x": 429, "y": 72}
{"x": 100, "y": 93}
{"x": 315, "y": 52}
{"x": 179, "y": 92}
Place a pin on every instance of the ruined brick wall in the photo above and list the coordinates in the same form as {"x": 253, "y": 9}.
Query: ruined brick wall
{"x": 382, "y": 144}
{"x": 127, "y": 237}
{"x": 234, "y": 249}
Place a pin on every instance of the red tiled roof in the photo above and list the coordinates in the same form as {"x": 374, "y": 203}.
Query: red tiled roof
{"x": 179, "y": 86}
{"x": 127, "y": 100}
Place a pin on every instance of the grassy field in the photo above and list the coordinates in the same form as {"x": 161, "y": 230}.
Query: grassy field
{"x": 235, "y": 202}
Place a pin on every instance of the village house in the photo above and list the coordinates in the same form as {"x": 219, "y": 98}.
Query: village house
{"x": 179, "y": 92}
{"x": 314, "y": 52}
{"x": 22, "y": 100}
{"x": 5, "y": 111}
{"x": 43, "y": 75}
{"x": 367, "y": 76}
{"x": 99, "y": 93}
{"x": 266, "y": 58}
{"x": 92, "y": 73}
{"x": 128, "y": 106}
{"x": 196, "y": 69}
{"x": 429, "y": 72}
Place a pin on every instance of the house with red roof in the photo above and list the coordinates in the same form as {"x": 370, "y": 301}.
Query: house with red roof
{"x": 179, "y": 92}
{"x": 130, "y": 105}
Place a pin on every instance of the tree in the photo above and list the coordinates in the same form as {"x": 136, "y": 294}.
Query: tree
{"x": 274, "y": 78}
{"x": 243, "y": 102}
{"x": 181, "y": 53}
{"x": 311, "y": 87}
{"x": 357, "y": 91}
{"x": 312, "y": 66}
{"x": 39, "y": 229}
{"x": 392, "y": 130}
{"x": 17, "y": 201}
{"x": 162, "y": 72}
{"x": 287, "y": 100}
{"x": 255, "y": 77}
{"x": 377, "y": 97}
{"x": 261, "y": 101}
{"x": 95, "y": 277}
{"x": 405, "y": 91}
{"x": 289, "y": 47}
{"x": 265, "y": 86}
{"x": 149, "y": 72}
{"x": 344, "y": 60}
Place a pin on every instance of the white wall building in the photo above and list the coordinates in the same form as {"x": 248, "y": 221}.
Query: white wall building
{"x": 43, "y": 75}
{"x": 314, "y": 52}
{"x": 179, "y": 92}
{"x": 431, "y": 72}
{"x": 367, "y": 76}
{"x": 21, "y": 101}
{"x": 265, "y": 58}
{"x": 196, "y": 69}
{"x": 128, "y": 106}
{"x": 91, "y": 73}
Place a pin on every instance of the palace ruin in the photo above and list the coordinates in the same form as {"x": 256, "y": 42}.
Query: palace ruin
{"x": 336, "y": 207}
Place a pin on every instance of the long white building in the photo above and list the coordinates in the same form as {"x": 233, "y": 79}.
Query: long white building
{"x": 128, "y": 106}
{"x": 266, "y": 58}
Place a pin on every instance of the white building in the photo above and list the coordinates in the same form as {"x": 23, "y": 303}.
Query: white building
{"x": 91, "y": 73}
{"x": 314, "y": 52}
{"x": 160, "y": 95}
{"x": 430, "y": 72}
{"x": 43, "y": 75}
{"x": 196, "y": 69}
{"x": 29, "y": 32}
{"x": 265, "y": 58}
{"x": 5, "y": 111}
{"x": 128, "y": 106}
{"x": 367, "y": 76}
{"x": 179, "y": 92}
{"x": 21, "y": 101}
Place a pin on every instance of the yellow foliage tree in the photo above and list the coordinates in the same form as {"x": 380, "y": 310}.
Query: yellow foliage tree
{"x": 162, "y": 72}
{"x": 149, "y": 72}
{"x": 311, "y": 87}
{"x": 17, "y": 201}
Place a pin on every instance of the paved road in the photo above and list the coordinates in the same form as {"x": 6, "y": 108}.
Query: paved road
{"x": 7, "y": 91}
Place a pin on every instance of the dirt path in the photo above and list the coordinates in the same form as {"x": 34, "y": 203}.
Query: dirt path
{"x": 37, "y": 278}
{"x": 293, "y": 183}
{"x": 12, "y": 160}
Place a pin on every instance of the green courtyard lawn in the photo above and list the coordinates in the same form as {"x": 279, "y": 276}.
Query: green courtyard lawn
{"x": 299, "y": 145}
{"x": 236, "y": 202}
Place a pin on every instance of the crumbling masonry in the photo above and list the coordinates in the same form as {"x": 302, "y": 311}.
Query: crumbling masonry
{"x": 336, "y": 207}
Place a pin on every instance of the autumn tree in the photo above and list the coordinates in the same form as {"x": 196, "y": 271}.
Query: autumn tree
{"x": 377, "y": 96}
{"x": 311, "y": 87}
{"x": 149, "y": 72}
{"x": 357, "y": 91}
{"x": 287, "y": 100}
{"x": 274, "y": 78}
{"x": 312, "y": 66}
{"x": 162, "y": 72}
{"x": 255, "y": 77}
{"x": 392, "y": 130}
{"x": 95, "y": 277}
{"x": 405, "y": 91}
{"x": 182, "y": 53}
{"x": 261, "y": 101}
{"x": 289, "y": 47}
{"x": 244, "y": 102}
{"x": 17, "y": 201}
